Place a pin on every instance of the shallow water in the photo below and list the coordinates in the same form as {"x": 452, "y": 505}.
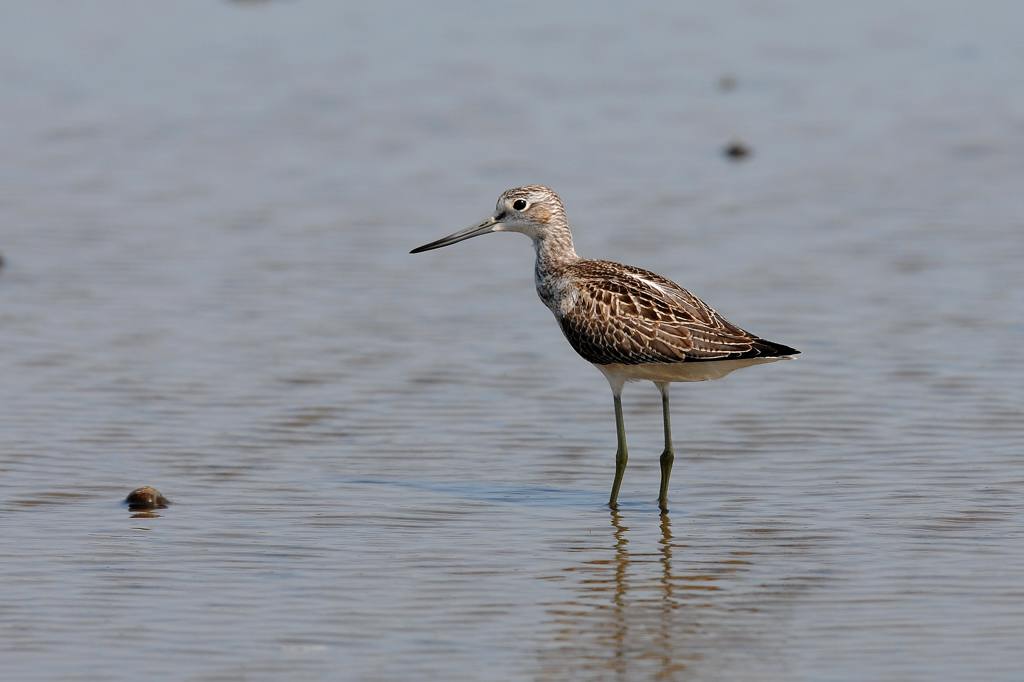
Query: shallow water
{"x": 387, "y": 466}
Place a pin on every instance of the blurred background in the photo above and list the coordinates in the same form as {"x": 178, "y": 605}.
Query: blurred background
{"x": 387, "y": 466}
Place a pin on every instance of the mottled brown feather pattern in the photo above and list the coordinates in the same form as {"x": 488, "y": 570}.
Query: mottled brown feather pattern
{"x": 631, "y": 323}
{"x": 614, "y": 313}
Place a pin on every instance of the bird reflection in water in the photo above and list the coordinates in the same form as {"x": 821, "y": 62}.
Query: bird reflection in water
{"x": 631, "y": 615}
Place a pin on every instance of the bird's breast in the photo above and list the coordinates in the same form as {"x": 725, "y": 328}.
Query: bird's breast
{"x": 559, "y": 294}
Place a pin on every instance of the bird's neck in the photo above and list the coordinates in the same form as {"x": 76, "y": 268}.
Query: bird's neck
{"x": 554, "y": 253}
{"x": 554, "y": 250}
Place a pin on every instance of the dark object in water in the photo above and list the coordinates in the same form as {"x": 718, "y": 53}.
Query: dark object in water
{"x": 727, "y": 83}
{"x": 1, "y": 260}
{"x": 736, "y": 150}
{"x": 146, "y": 498}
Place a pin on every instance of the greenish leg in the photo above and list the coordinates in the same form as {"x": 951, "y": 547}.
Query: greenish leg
{"x": 621, "y": 455}
{"x": 668, "y": 456}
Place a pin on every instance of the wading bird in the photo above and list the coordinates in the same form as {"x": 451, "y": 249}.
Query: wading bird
{"x": 630, "y": 323}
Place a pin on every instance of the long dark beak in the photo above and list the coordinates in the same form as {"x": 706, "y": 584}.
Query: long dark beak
{"x": 470, "y": 232}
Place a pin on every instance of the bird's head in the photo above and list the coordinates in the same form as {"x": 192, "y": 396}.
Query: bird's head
{"x": 534, "y": 210}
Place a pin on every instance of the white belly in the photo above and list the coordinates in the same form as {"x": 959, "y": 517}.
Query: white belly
{"x": 678, "y": 371}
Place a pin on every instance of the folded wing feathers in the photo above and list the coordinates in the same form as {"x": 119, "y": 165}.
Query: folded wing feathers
{"x": 632, "y": 316}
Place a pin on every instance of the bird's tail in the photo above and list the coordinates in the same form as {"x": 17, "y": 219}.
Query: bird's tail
{"x": 770, "y": 349}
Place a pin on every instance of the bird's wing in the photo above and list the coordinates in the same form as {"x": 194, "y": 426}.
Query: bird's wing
{"x": 632, "y": 316}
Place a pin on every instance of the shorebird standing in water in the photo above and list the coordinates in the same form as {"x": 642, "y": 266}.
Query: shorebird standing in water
{"x": 630, "y": 323}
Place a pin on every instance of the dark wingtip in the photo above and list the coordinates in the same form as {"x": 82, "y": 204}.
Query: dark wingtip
{"x": 770, "y": 349}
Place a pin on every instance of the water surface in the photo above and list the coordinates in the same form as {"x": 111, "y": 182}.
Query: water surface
{"x": 387, "y": 466}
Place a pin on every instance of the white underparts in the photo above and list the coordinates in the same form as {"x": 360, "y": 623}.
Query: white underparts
{"x": 618, "y": 374}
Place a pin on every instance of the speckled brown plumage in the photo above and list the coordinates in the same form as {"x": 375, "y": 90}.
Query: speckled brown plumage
{"x": 614, "y": 314}
{"x": 632, "y": 324}
{"x": 627, "y": 315}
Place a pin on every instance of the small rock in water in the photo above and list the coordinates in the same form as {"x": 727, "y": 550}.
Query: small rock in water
{"x": 737, "y": 150}
{"x": 146, "y": 498}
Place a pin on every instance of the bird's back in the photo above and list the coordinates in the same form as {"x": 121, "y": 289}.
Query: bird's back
{"x": 619, "y": 314}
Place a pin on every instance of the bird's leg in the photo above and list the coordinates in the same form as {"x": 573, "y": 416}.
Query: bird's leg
{"x": 621, "y": 455}
{"x": 668, "y": 456}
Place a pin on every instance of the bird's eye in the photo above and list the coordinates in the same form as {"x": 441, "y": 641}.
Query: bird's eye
{"x": 519, "y": 204}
